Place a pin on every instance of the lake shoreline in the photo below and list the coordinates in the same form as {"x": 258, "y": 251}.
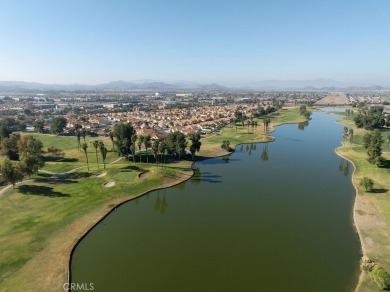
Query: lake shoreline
{"x": 175, "y": 183}
{"x": 219, "y": 153}
{"x": 355, "y": 224}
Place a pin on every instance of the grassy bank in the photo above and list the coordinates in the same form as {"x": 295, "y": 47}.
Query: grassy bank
{"x": 372, "y": 209}
{"x": 236, "y": 134}
{"x": 43, "y": 219}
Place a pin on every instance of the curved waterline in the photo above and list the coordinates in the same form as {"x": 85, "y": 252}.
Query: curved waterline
{"x": 213, "y": 178}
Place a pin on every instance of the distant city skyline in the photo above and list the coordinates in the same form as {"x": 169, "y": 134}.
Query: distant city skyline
{"x": 94, "y": 42}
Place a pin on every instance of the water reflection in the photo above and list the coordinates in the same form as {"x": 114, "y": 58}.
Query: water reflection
{"x": 344, "y": 167}
{"x": 225, "y": 158}
{"x": 161, "y": 204}
{"x": 264, "y": 152}
{"x": 303, "y": 125}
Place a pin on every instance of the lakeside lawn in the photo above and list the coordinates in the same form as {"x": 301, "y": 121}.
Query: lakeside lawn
{"x": 372, "y": 210}
{"x": 43, "y": 219}
{"x": 236, "y": 134}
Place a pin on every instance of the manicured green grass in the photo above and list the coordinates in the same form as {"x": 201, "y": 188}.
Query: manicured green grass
{"x": 34, "y": 213}
{"x": 211, "y": 144}
{"x": 372, "y": 208}
{"x": 287, "y": 115}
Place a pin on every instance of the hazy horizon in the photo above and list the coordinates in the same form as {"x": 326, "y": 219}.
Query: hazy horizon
{"x": 95, "y": 42}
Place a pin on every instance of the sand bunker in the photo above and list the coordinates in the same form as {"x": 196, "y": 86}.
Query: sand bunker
{"x": 101, "y": 174}
{"x": 109, "y": 184}
{"x": 144, "y": 174}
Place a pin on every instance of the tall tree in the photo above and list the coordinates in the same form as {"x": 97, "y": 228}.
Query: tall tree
{"x": 345, "y": 133}
{"x": 58, "y": 124}
{"x": 195, "y": 145}
{"x": 140, "y": 141}
{"x": 111, "y": 135}
{"x": 11, "y": 172}
{"x": 5, "y": 131}
{"x": 161, "y": 149}
{"x": 96, "y": 146}
{"x": 176, "y": 143}
{"x": 373, "y": 143}
{"x": 83, "y": 133}
{"x": 122, "y": 134}
{"x": 155, "y": 145}
{"x": 132, "y": 147}
{"x": 39, "y": 126}
{"x": 147, "y": 143}
{"x": 85, "y": 148}
{"x": 30, "y": 154}
{"x": 103, "y": 152}
{"x": 350, "y": 134}
{"x": 388, "y": 142}
{"x": 9, "y": 146}
{"x": 367, "y": 183}
{"x": 77, "y": 128}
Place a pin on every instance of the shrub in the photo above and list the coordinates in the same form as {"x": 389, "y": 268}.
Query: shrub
{"x": 380, "y": 277}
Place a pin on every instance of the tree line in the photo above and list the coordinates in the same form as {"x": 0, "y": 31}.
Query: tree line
{"x": 24, "y": 157}
{"x": 127, "y": 143}
{"x": 372, "y": 118}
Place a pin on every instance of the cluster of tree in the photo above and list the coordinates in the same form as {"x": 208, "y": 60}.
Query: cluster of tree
{"x": 304, "y": 112}
{"x": 372, "y": 141}
{"x": 11, "y": 172}
{"x": 125, "y": 141}
{"x": 349, "y": 113}
{"x": 9, "y": 125}
{"x": 379, "y": 275}
{"x": 39, "y": 126}
{"x": 372, "y": 118}
{"x": 28, "y": 150}
{"x": 263, "y": 111}
{"x": 348, "y": 134}
{"x": 226, "y": 145}
{"x": 266, "y": 123}
{"x": 55, "y": 152}
{"x": 57, "y": 125}
{"x": 367, "y": 183}
{"x": 99, "y": 146}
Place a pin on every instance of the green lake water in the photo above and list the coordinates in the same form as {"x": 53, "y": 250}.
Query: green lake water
{"x": 271, "y": 217}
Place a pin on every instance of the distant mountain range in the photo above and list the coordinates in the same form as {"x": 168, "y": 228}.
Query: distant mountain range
{"x": 315, "y": 84}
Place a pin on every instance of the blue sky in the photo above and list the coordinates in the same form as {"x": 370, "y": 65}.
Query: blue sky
{"x": 95, "y": 41}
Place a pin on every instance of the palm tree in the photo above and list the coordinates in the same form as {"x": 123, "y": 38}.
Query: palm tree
{"x": 77, "y": 128}
{"x": 96, "y": 146}
{"x": 155, "y": 150}
{"x": 345, "y": 133}
{"x": 140, "y": 142}
{"x": 388, "y": 142}
{"x": 83, "y": 133}
{"x": 103, "y": 152}
{"x": 266, "y": 123}
{"x": 85, "y": 148}
{"x": 195, "y": 146}
{"x": 111, "y": 135}
{"x": 161, "y": 149}
{"x": 132, "y": 147}
{"x": 147, "y": 144}
{"x": 350, "y": 134}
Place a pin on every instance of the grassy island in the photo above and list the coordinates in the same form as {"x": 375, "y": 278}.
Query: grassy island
{"x": 43, "y": 218}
